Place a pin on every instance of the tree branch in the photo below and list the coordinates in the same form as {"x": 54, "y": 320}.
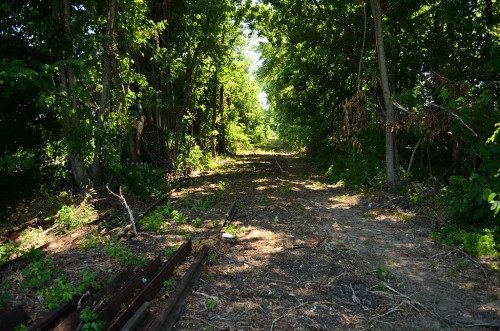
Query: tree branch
{"x": 130, "y": 214}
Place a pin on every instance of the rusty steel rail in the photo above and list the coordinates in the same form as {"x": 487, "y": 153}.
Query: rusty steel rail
{"x": 230, "y": 215}
{"x": 170, "y": 310}
{"x": 124, "y": 304}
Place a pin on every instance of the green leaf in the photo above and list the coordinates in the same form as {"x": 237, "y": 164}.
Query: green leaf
{"x": 491, "y": 197}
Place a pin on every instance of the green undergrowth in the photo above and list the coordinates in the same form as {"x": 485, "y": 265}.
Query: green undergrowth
{"x": 476, "y": 241}
{"x": 49, "y": 283}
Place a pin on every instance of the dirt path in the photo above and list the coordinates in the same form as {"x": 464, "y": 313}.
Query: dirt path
{"x": 307, "y": 257}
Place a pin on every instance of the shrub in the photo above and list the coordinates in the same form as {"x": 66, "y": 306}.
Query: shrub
{"x": 143, "y": 180}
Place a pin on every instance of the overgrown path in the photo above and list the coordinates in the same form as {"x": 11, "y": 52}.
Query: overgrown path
{"x": 313, "y": 256}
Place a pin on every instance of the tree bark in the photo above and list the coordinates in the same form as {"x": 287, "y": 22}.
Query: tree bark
{"x": 222, "y": 127}
{"x": 108, "y": 56}
{"x": 67, "y": 79}
{"x": 188, "y": 90}
{"x": 392, "y": 173}
{"x": 490, "y": 67}
{"x": 214, "y": 116}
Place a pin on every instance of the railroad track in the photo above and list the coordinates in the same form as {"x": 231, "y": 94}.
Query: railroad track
{"x": 125, "y": 303}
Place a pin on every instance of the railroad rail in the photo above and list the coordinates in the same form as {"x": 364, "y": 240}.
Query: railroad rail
{"x": 125, "y": 303}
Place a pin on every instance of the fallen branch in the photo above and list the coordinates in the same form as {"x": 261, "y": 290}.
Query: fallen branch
{"x": 130, "y": 214}
{"x": 410, "y": 301}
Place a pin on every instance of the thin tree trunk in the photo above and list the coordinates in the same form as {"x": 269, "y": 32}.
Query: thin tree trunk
{"x": 108, "y": 56}
{"x": 214, "y": 115}
{"x": 222, "y": 135}
{"x": 67, "y": 81}
{"x": 490, "y": 68}
{"x": 187, "y": 97}
{"x": 393, "y": 179}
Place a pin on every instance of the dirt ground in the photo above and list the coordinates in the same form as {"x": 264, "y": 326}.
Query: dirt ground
{"x": 317, "y": 257}
{"x": 307, "y": 256}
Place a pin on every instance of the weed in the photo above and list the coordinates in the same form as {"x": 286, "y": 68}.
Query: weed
{"x": 384, "y": 274}
{"x": 171, "y": 250}
{"x": 232, "y": 229}
{"x": 37, "y": 273}
{"x": 215, "y": 223}
{"x": 72, "y": 217}
{"x": 103, "y": 225}
{"x": 284, "y": 190}
{"x": 276, "y": 220}
{"x": 264, "y": 200}
{"x": 157, "y": 220}
{"x": 126, "y": 256}
{"x": 185, "y": 233}
{"x": 62, "y": 291}
{"x": 6, "y": 251}
{"x": 21, "y": 327}
{"x": 90, "y": 242}
{"x": 221, "y": 185}
{"x": 197, "y": 222}
{"x": 211, "y": 304}
{"x": 370, "y": 214}
{"x": 212, "y": 258}
{"x": 170, "y": 284}
{"x": 89, "y": 320}
{"x": 320, "y": 184}
{"x": 200, "y": 204}
{"x": 179, "y": 217}
{"x": 210, "y": 278}
{"x": 34, "y": 254}
{"x": 380, "y": 285}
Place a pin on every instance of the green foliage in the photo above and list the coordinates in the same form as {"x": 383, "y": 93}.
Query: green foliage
{"x": 89, "y": 320}
{"x": 72, "y": 217}
{"x": 171, "y": 250}
{"x": 157, "y": 220}
{"x": 211, "y": 303}
{"x": 355, "y": 169}
{"x": 185, "y": 233}
{"x": 178, "y": 217}
{"x": 197, "y": 222}
{"x": 6, "y": 251}
{"x": 170, "y": 284}
{"x": 479, "y": 242}
{"x": 38, "y": 273}
{"x": 192, "y": 159}
{"x": 4, "y": 292}
{"x": 383, "y": 273}
{"x": 126, "y": 256}
{"x": 63, "y": 291}
{"x": 212, "y": 258}
{"x": 200, "y": 204}
{"x": 143, "y": 180}
{"x": 90, "y": 242}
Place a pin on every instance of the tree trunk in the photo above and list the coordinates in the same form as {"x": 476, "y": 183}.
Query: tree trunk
{"x": 214, "y": 116}
{"x": 393, "y": 179}
{"x": 490, "y": 67}
{"x": 67, "y": 81}
{"x": 222, "y": 134}
{"x": 188, "y": 90}
{"x": 108, "y": 56}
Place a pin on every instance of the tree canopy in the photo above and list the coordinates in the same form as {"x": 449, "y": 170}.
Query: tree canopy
{"x": 383, "y": 91}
